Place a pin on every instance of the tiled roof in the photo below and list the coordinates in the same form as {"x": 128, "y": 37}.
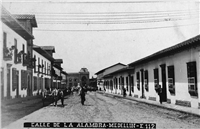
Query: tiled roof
{"x": 13, "y": 23}
{"x": 58, "y": 61}
{"x": 109, "y": 67}
{"x": 26, "y": 16}
{"x": 52, "y": 48}
{"x": 43, "y": 52}
{"x": 169, "y": 51}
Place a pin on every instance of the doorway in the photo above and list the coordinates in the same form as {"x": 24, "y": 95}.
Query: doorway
{"x": 142, "y": 81}
{"x": 8, "y": 82}
{"x": 2, "y": 83}
{"x": 29, "y": 86}
{"x": 164, "y": 88}
{"x": 17, "y": 83}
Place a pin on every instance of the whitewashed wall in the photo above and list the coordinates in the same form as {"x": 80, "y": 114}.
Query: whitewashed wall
{"x": 11, "y": 35}
{"x": 179, "y": 61}
{"x": 36, "y": 54}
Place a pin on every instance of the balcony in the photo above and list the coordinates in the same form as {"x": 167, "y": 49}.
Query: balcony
{"x": 18, "y": 56}
{"x": 7, "y": 53}
{"x": 59, "y": 78}
{"x": 28, "y": 61}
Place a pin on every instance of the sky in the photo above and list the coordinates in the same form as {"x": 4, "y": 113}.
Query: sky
{"x": 96, "y": 34}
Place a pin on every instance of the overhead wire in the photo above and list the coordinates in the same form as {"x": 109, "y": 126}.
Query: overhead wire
{"x": 114, "y": 22}
{"x": 130, "y": 29}
{"x": 109, "y": 13}
{"x": 94, "y": 2}
{"x": 112, "y": 16}
{"x": 123, "y": 20}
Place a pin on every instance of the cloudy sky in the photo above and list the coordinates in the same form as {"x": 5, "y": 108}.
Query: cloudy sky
{"x": 99, "y": 33}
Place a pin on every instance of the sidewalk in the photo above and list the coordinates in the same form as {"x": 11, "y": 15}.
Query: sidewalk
{"x": 188, "y": 110}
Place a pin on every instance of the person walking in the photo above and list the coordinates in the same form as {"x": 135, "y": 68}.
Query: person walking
{"x": 55, "y": 96}
{"x": 160, "y": 93}
{"x": 61, "y": 96}
{"x": 124, "y": 92}
{"x": 44, "y": 96}
{"x": 82, "y": 94}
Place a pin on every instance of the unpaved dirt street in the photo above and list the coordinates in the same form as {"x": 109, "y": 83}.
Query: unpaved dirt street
{"x": 99, "y": 108}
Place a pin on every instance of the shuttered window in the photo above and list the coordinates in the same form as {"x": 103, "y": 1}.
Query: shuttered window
{"x": 146, "y": 80}
{"x": 4, "y": 43}
{"x": 156, "y": 78}
{"x": 192, "y": 78}
{"x": 24, "y": 79}
{"x": 171, "y": 79}
{"x": 15, "y": 52}
{"x": 14, "y": 83}
{"x": 35, "y": 64}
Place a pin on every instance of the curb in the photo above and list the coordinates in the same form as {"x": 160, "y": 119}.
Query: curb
{"x": 20, "y": 100}
{"x": 161, "y": 106}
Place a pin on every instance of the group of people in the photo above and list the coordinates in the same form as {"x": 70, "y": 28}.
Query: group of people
{"x": 58, "y": 94}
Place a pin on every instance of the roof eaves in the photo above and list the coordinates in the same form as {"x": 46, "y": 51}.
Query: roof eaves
{"x": 181, "y": 46}
{"x": 108, "y": 68}
{"x": 14, "y": 24}
{"x": 43, "y": 52}
{"x": 27, "y": 16}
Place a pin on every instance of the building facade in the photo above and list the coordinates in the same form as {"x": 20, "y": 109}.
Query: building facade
{"x": 15, "y": 75}
{"x": 175, "y": 69}
{"x": 56, "y": 72}
{"x": 80, "y": 78}
{"x": 42, "y": 70}
{"x": 64, "y": 80}
{"x": 104, "y": 72}
{"x": 29, "y": 22}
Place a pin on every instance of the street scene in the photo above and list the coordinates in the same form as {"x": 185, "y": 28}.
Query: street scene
{"x": 100, "y": 64}
{"x": 100, "y": 108}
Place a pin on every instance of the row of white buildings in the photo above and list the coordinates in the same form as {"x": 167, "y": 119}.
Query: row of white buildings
{"x": 26, "y": 69}
{"x": 176, "y": 69}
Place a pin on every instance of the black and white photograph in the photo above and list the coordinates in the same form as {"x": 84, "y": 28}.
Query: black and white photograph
{"x": 98, "y": 64}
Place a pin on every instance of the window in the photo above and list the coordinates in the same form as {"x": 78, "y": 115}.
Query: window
{"x": 4, "y": 44}
{"x": 7, "y": 52}
{"x": 14, "y": 79}
{"x": 15, "y": 51}
{"x": 70, "y": 80}
{"x": 4, "y": 39}
{"x": 171, "y": 80}
{"x": 34, "y": 64}
{"x": 49, "y": 69}
{"x": 146, "y": 80}
{"x": 138, "y": 80}
{"x": 23, "y": 56}
{"x": 192, "y": 78}
{"x": 42, "y": 67}
{"x": 23, "y": 79}
{"x": 156, "y": 79}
